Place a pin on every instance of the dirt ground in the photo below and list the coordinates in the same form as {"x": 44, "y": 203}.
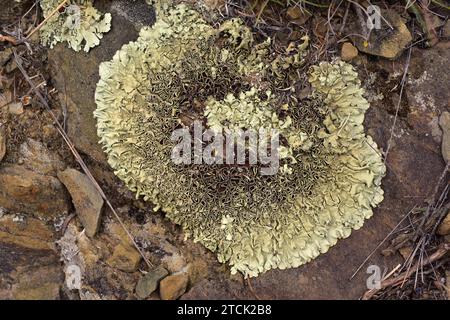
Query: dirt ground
{"x": 41, "y": 234}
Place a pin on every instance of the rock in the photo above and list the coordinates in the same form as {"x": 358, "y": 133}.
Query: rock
{"x": 174, "y": 262}
{"x": 386, "y": 42}
{"x": 348, "y": 51}
{"x": 36, "y": 157}
{"x": 42, "y": 284}
{"x": 444, "y": 227}
{"x": 294, "y": 12}
{"x": 444, "y": 123}
{"x": 198, "y": 271}
{"x": 139, "y": 14}
{"x": 23, "y": 190}
{"x": 424, "y": 95}
{"x": 125, "y": 258}
{"x": 406, "y": 252}
{"x": 149, "y": 282}
{"x": 297, "y": 15}
{"x": 29, "y": 264}
{"x": 75, "y": 74}
{"x": 16, "y": 108}
{"x": 2, "y": 141}
{"x": 172, "y": 287}
{"x": 87, "y": 200}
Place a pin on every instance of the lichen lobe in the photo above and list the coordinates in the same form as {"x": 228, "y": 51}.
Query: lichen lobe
{"x": 78, "y": 23}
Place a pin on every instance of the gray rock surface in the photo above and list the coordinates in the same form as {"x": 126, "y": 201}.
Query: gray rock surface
{"x": 149, "y": 282}
{"x": 75, "y": 74}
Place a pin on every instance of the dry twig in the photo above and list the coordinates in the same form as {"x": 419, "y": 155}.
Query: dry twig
{"x": 398, "y": 280}
{"x": 62, "y": 4}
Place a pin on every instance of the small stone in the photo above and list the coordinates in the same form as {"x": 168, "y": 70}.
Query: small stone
{"x": 444, "y": 227}
{"x": 294, "y": 13}
{"x": 49, "y": 132}
{"x": 386, "y": 42}
{"x": 86, "y": 198}
{"x": 172, "y": 287}
{"x": 2, "y": 141}
{"x": 23, "y": 190}
{"x": 348, "y": 51}
{"x": 405, "y": 252}
{"x": 149, "y": 282}
{"x": 297, "y": 15}
{"x": 16, "y": 108}
{"x": 444, "y": 123}
{"x": 174, "y": 262}
{"x": 125, "y": 258}
{"x": 214, "y": 4}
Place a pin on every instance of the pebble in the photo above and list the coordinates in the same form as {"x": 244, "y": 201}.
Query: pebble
{"x": 87, "y": 200}
{"x": 173, "y": 286}
{"x": 149, "y": 282}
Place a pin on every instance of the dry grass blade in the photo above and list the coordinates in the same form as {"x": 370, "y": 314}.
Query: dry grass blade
{"x": 77, "y": 156}
{"x": 381, "y": 243}
{"x": 438, "y": 254}
{"x": 62, "y": 4}
{"x": 397, "y": 107}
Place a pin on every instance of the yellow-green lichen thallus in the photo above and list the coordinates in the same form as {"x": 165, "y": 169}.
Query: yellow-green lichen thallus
{"x": 181, "y": 69}
{"x": 78, "y": 24}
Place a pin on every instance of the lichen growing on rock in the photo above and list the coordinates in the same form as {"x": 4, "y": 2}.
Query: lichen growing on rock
{"x": 78, "y": 23}
{"x": 182, "y": 69}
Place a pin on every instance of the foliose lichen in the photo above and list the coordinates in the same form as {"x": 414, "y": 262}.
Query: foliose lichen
{"x": 182, "y": 69}
{"x": 78, "y": 23}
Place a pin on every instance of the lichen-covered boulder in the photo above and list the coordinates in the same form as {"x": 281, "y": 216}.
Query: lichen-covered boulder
{"x": 183, "y": 70}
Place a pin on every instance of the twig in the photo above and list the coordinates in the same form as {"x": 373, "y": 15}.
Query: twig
{"x": 419, "y": 231}
{"x": 344, "y": 19}
{"x": 397, "y": 108}
{"x": 78, "y": 157}
{"x": 66, "y": 223}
